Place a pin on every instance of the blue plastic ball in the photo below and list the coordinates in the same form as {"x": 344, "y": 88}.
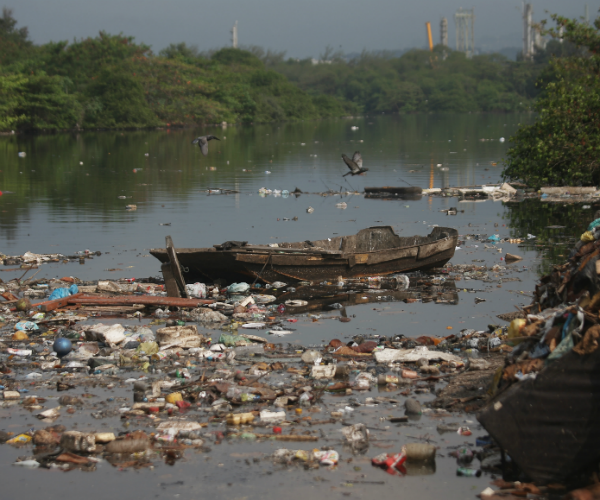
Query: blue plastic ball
{"x": 62, "y": 347}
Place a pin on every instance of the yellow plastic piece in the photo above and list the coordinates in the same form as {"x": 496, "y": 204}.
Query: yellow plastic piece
{"x": 514, "y": 330}
{"x": 174, "y": 397}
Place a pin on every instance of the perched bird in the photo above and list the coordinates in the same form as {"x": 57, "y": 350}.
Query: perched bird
{"x": 354, "y": 164}
{"x": 202, "y": 141}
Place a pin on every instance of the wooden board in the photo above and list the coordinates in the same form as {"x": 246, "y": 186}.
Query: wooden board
{"x": 50, "y": 305}
{"x": 170, "y": 283}
{"x": 137, "y": 299}
{"x": 175, "y": 267}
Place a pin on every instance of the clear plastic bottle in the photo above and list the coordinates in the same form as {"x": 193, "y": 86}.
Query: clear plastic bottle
{"x": 465, "y": 471}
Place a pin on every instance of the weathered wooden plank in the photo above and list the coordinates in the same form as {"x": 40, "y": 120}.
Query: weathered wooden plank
{"x": 252, "y": 258}
{"x": 50, "y": 305}
{"x": 175, "y": 268}
{"x": 170, "y": 283}
{"x": 432, "y": 248}
{"x": 393, "y": 254}
{"x": 138, "y": 299}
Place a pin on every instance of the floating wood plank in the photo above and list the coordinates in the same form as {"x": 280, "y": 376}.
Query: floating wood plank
{"x": 111, "y": 309}
{"x": 175, "y": 267}
{"x": 148, "y": 300}
{"x": 50, "y": 305}
{"x": 394, "y": 190}
{"x": 9, "y": 296}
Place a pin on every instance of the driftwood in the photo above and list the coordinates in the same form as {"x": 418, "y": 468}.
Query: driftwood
{"x": 127, "y": 300}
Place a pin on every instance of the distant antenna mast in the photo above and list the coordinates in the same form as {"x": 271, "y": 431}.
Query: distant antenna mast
{"x": 234, "y": 39}
{"x": 586, "y": 14}
{"x": 465, "y": 28}
{"x": 444, "y": 32}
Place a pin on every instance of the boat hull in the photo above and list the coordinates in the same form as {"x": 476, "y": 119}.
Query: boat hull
{"x": 358, "y": 256}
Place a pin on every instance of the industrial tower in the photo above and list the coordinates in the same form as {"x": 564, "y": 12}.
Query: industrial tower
{"x": 444, "y": 32}
{"x": 234, "y": 40}
{"x": 528, "y": 34}
{"x": 465, "y": 31}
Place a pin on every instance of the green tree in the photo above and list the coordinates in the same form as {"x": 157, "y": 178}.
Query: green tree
{"x": 42, "y": 102}
{"x": 563, "y": 146}
{"x": 13, "y": 41}
{"x": 117, "y": 100}
{"x": 11, "y": 99}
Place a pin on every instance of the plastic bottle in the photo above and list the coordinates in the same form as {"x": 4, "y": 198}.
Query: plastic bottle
{"x": 419, "y": 452}
{"x": 465, "y": 471}
{"x": 463, "y": 455}
{"x": 386, "y": 379}
{"x": 239, "y": 418}
{"x": 280, "y": 308}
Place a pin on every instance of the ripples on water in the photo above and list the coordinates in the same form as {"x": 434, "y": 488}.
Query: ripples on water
{"x": 66, "y": 189}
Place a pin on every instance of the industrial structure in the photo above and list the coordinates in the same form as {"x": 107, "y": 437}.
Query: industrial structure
{"x": 444, "y": 32}
{"x": 234, "y": 38}
{"x": 465, "y": 31}
{"x": 532, "y": 37}
{"x": 528, "y": 35}
{"x": 429, "y": 37}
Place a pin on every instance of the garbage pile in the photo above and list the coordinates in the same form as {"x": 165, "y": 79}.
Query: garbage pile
{"x": 202, "y": 370}
{"x": 500, "y": 192}
{"x": 543, "y": 412}
{"x": 29, "y": 259}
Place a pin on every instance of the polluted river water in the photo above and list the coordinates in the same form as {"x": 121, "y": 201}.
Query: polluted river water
{"x": 69, "y": 193}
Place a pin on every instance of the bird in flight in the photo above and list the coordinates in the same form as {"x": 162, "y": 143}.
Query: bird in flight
{"x": 202, "y": 142}
{"x": 354, "y": 164}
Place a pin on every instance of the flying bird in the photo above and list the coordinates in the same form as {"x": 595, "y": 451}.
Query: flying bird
{"x": 354, "y": 164}
{"x": 202, "y": 141}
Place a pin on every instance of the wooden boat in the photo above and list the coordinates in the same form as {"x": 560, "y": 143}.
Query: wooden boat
{"x": 372, "y": 251}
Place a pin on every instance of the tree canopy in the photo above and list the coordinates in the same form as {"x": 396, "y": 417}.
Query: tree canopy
{"x": 562, "y": 147}
{"x": 111, "y": 81}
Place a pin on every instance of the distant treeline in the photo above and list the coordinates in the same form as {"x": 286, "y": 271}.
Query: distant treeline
{"x": 112, "y": 82}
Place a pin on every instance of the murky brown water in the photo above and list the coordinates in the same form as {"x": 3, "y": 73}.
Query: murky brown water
{"x": 60, "y": 205}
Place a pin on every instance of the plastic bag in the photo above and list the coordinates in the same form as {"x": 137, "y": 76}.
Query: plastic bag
{"x": 403, "y": 281}
{"x": 593, "y": 224}
{"x": 26, "y": 326}
{"x": 330, "y": 457}
{"x": 61, "y": 293}
{"x": 197, "y": 290}
{"x": 233, "y": 340}
{"x": 238, "y": 288}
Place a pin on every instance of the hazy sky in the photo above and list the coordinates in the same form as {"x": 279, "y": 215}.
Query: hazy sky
{"x": 302, "y": 28}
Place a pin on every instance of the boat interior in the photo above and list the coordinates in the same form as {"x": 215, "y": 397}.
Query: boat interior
{"x": 367, "y": 240}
